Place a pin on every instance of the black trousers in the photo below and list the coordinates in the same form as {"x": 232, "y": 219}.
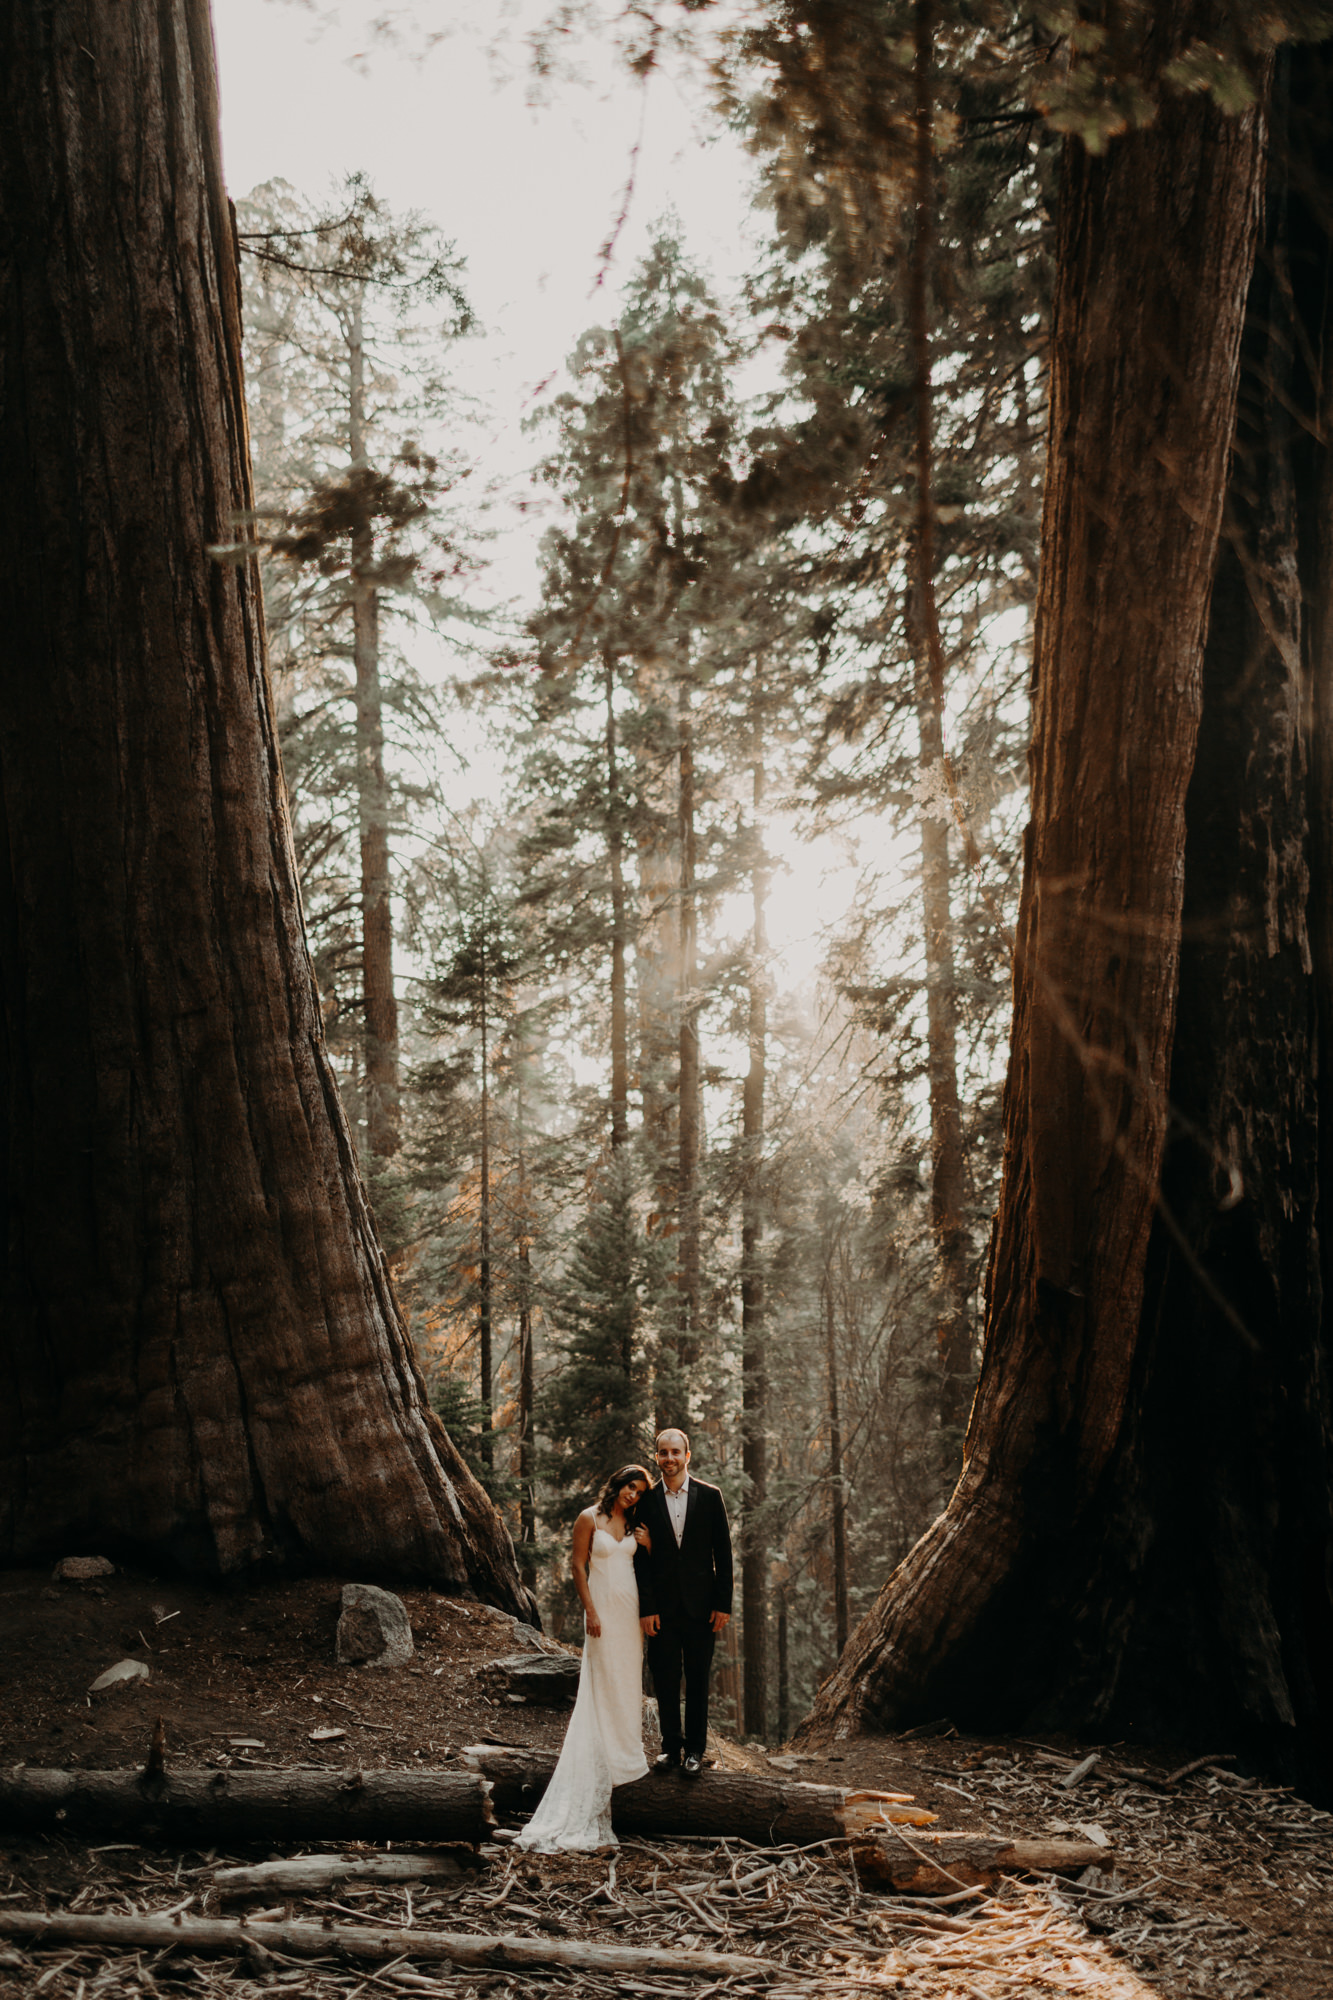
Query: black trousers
{"x": 682, "y": 1649}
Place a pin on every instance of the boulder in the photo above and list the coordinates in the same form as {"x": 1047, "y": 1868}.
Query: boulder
{"x": 81, "y": 1569}
{"x": 549, "y": 1679}
{"x": 374, "y": 1629}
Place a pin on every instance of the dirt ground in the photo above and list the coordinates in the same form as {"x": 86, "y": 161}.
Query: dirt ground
{"x": 1221, "y": 1884}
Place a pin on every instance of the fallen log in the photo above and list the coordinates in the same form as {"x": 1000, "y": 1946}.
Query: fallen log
{"x": 320, "y": 1871}
{"x": 927, "y": 1863}
{"x": 303, "y": 1940}
{"x": 768, "y": 1810}
{"x": 208, "y": 1808}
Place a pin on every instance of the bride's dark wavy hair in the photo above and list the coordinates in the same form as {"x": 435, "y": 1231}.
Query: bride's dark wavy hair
{"x": 618, "y": 1479}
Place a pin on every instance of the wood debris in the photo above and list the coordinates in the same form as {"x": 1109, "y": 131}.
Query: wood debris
{"x": 805, "y": 1921}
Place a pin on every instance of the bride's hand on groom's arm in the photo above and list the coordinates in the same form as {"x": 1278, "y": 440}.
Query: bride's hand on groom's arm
{"x": 644, "y": 1539}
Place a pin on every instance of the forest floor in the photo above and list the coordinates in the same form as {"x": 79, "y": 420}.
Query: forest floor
{"x": 1221, "y": 1885}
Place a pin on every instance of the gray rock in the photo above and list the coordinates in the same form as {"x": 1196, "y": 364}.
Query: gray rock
{"x": 82, "y": 1569}
{"x": 550, "y": 1679}
{"x": 124, "y": 1670}
{"x": 374, "y": 1629}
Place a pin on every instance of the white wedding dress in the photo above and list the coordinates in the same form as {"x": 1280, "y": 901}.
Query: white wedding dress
{"x": 603, "y": 1745}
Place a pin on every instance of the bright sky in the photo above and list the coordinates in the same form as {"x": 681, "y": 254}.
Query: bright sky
{"x": 529, "y": 194}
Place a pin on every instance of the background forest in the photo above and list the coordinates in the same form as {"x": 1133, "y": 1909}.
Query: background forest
{"x": 631, "y": 1165}
{"x": 631, "y": 1154}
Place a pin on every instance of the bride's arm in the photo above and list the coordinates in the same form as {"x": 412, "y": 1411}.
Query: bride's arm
{"x": 583, "y": 1528}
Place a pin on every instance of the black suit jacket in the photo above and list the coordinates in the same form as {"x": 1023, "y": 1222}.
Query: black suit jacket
{"x": 696, "y": 1576}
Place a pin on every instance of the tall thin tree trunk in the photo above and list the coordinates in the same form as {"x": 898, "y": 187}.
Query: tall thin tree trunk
{"x": 527, "y": 1442}
{"x": 484, "y": 1227}
{"x": 1001, "y": 1608}
{"x": 689, "y": 1277}
{"x": 784, "y": 1669}
{"x": 953, "y": 1333}
{"x": 381, "y": 1005}
{"x": 754, "y": 1360}
{"x": 527, "y": 1448}
{"x": 201, "y": 1360}
{"x": 657, "y": 943}
{"x": 615, "y": 840}
{"x": 837, "y": 1488}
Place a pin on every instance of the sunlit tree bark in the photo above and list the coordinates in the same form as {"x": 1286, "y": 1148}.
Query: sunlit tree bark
{"x": 1031, "y": 1595}
{"x": 201, "y": 1360}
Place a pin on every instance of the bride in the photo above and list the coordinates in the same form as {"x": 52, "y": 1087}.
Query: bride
{"x": 603, "y": 1745}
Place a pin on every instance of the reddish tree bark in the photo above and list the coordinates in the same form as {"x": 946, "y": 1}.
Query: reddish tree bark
{"x": 1021, "y": 1598}
{"x": 201, "y": 1359}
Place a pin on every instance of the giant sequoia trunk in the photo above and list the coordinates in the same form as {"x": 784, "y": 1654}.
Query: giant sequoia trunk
{"x": 1140, "y": 1539}
{"x": 200, "y": 1356}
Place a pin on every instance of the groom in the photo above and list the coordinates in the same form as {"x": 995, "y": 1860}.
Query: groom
{"x": 684, "y": 1597}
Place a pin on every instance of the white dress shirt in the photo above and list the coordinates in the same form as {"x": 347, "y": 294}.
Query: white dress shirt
{"x": 675, "y": 1505}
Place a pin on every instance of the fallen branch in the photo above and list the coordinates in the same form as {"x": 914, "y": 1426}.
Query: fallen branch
{"x": 723, "y": 1803}
{"x": 1199, "y": 1764}
{"x": 930, "y": 1860}
{"x": 302, "y": 1940}
{"x": 319, "y": 1871}
{"x": 209, "y": 1808}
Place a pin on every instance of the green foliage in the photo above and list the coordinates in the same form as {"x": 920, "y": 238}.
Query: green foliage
{"x": 466, "y": 1418}
{"x": 594, "y": 1409}
{"x": 348, "y": 312}
{"x": 735, "y": 575}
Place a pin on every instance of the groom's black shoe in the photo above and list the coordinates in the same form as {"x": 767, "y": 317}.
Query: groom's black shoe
{"x": 668, "y": 1761}
{"x": 692, "y": 1766}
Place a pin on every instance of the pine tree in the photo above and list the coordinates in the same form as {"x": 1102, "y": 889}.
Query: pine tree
{"x": 595, "y": 1407}
{"x": 921, "y": 375}
{"x": 469, "y": 1001}
{"x": 346, "y": 328}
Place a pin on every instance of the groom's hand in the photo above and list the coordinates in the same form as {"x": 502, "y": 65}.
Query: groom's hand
{"x": 650, "y": 1626}
{"x": 720, "y": 1620}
